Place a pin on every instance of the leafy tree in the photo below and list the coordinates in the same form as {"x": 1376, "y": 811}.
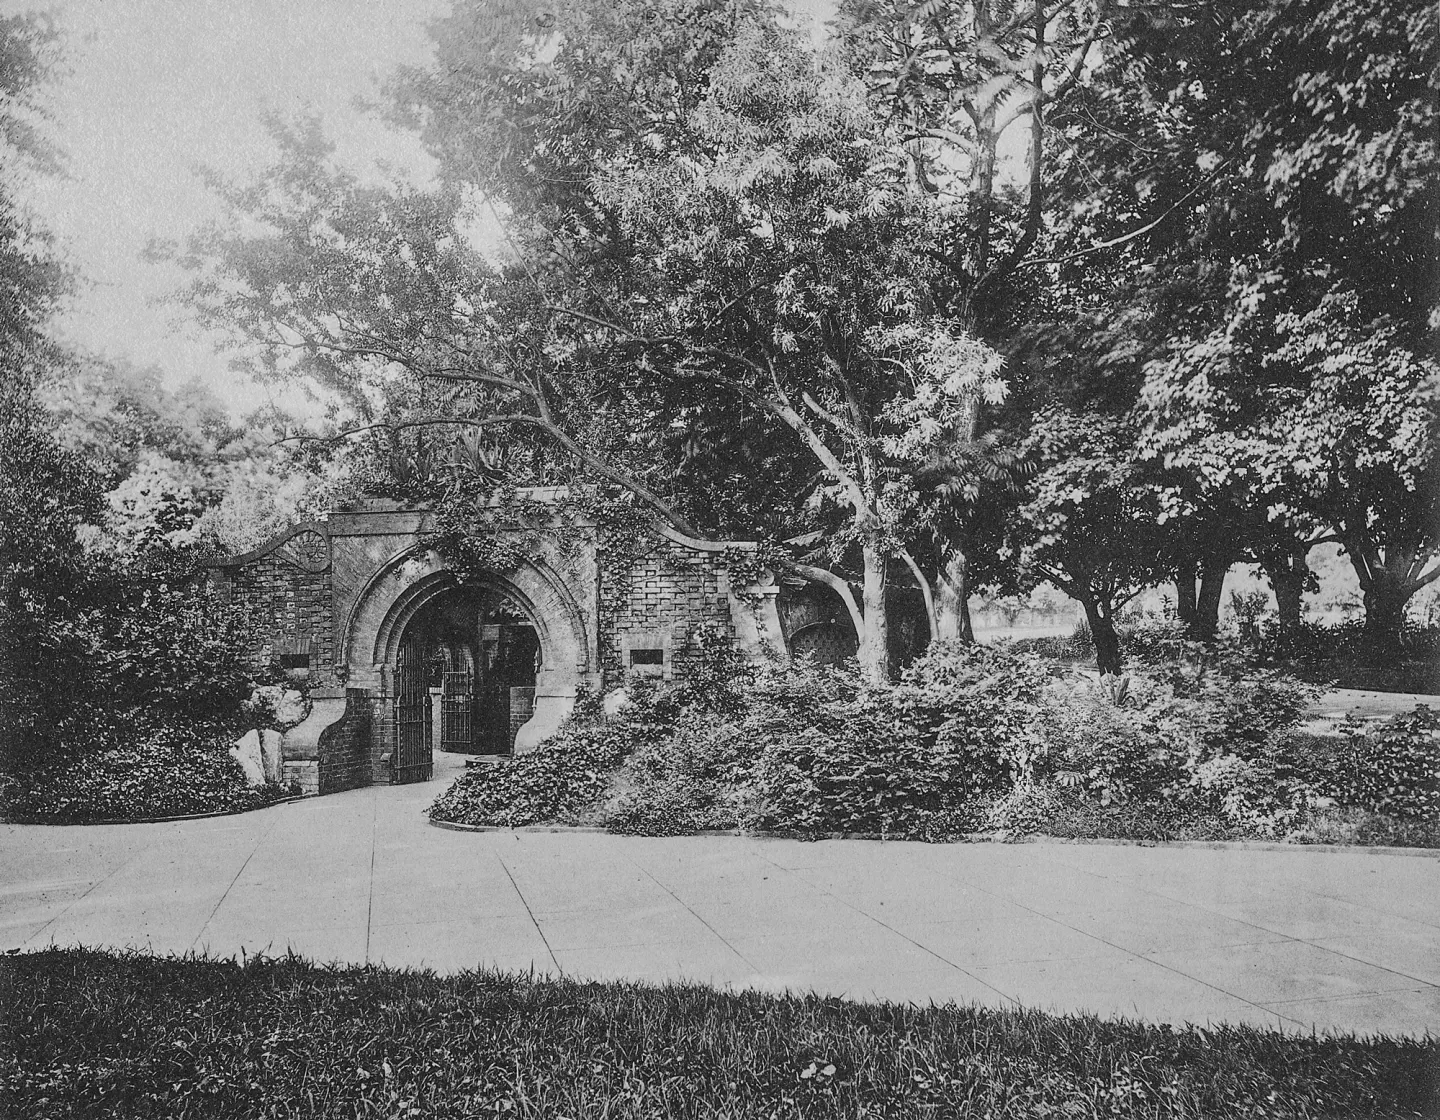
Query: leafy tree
{"x": 1233, "y": 170}
{"x": 31, "y": 278}
{"x": 46, "y": 493}
{"x": 1306, "y": 323}
{"x": 89, "y": 650}
{"x": 176, "y": 467}
{"x": 955, "y": 76}
{"x": 1092, "y": 523}
{"x": 729, "y": 238}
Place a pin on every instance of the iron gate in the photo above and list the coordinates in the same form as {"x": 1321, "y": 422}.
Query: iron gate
{"x": 412, "y": 760}
{"x": 457, "y": 713}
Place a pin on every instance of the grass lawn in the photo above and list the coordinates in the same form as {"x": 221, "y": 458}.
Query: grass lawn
{"x": 86, "y": 1033}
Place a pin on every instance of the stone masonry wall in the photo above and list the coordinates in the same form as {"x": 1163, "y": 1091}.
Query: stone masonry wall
{"x": 291, "y": 611}
{"x": 652, "y": 595}
{"x": 345, "y": 747}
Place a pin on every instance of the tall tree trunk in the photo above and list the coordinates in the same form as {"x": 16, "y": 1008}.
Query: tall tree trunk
{"x": 1385, "y": 601}
{"x": 1387, "y": 581}
{"x": 1288, "y": 573}
{"x": 874, "y": 652}
{"x": 1207, "y": 603}
{"x": 952, "y": 599}
{"x": 1185, "y": 595}
{"x": 1102, "y": 632}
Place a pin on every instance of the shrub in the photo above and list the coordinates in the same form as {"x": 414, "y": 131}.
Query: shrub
{"x": 1107, "y": 740}
{"x": 917, "y": 759}
{"x": 1394, "y": 768}
{"x": 1152, "y": 641}
{"x": 174, "y": 652}
{"x": 1065, "y": 812}
{"x": 553, "y": 784}
{"x": 1342, "y": 643}
{"x": 168, "y": 773}
{"x": 1195, "y": 737}
{"x": 809, "y": 749}
{"x": 874, "y": 775}
{"x": 700, "y": 777}
{"x": 565, "y": 777}
{"x": 1349, "y": 825}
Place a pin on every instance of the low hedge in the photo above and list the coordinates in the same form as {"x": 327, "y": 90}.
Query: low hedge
{"x": 169, "y": 772}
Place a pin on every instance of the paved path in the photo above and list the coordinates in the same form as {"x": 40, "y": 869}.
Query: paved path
{"x": 1363, "y": 703}
{"x": 1291, "y": 938}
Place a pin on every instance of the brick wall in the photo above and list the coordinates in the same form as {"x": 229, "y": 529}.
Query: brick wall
{"x": 656, "y": 592}
{"x": 382, "y": 734}
{"x": 290, "y": 609}
{"x": 345, "y": 749}
{"x": 522, "y": 707}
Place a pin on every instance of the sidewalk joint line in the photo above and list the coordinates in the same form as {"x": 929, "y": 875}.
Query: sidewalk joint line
{"x": 1283, "y": 936}
{"x": 80, "y": 898}
{"x": 904, "y": 937}
{"x": 746, "y": 960}
{"x": 230, "y": 886}
{"x": 1130, "y": 952}
{"x": 370, "y": 898}
{"x": 526, "y": 903}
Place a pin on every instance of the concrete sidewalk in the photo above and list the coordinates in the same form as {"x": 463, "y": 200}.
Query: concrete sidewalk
{"x": 1296, "y": 939}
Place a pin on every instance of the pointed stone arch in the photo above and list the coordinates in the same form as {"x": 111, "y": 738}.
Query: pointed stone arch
{"x": 403, "y": 585}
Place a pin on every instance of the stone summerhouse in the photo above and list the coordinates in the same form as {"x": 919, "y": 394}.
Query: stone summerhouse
{"x": 403, "y": 652}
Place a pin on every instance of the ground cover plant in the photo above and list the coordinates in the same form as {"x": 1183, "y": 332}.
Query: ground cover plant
{"x": 1201, "y": 743}
{"x": 167, "y": 772}
{"x": 85, "y": 1033}
{"x": 161, "y": 689}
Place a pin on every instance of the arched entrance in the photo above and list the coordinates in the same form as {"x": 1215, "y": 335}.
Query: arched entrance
{"x": 476, "y": 654}
{"x": 499, "y": 658}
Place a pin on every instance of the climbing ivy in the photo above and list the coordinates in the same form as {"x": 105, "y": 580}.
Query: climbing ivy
{"x": 748, "y": 567}
{"x": 484, "y": 528}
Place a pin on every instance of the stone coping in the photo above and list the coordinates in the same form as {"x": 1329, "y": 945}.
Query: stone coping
{"x": 973, "y": 838}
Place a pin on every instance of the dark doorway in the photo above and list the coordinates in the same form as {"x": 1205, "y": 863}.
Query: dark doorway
{"x": 481, "y": 656}
{"x": 505, "y": 678}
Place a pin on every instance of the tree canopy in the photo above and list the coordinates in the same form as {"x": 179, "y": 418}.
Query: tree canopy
{"x": 976, "y": 289}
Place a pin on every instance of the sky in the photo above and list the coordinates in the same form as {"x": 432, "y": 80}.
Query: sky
{"x": 150, "y": 91}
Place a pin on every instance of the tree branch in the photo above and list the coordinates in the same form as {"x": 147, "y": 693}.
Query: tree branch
{"x": 931, "y": 615}
{"x": 836, "y": 584}
{"x": 598, "y": 465}
{"x": 1126, "y": 237}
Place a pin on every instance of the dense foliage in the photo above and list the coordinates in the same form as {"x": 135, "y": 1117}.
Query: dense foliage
{"x": 121, "y": 675}
{"x": 147, "y": 644}
{"x": 1200, "y": 745}
{"x": 163, "y": 773}
{"x": 798, "y": 294}
{"x": 86, "y": 1034}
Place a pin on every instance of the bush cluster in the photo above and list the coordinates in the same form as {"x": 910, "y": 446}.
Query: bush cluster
{"x": 1203, "y": 744}
{"x": 563, "y": 780}
{"x": 1347, "y": 642}
{"x": 1393, "y": 769}
{"x": 167, "y": 772}
{"x": 139, "y": 714}
{"x": 912, "y": 760}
